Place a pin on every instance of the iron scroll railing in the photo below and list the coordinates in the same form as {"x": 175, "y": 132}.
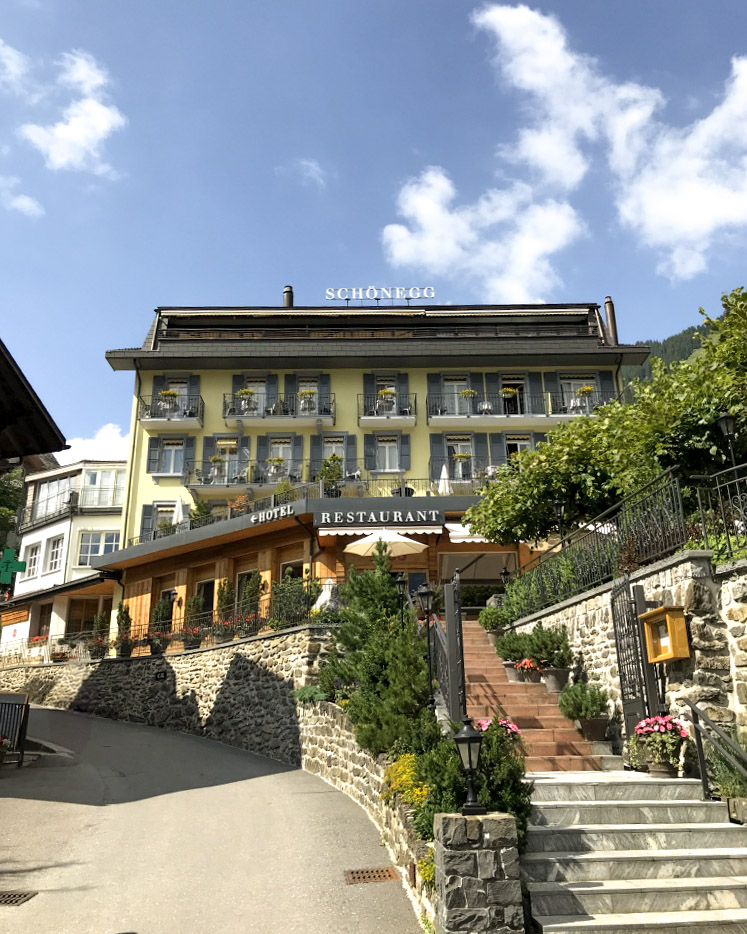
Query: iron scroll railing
{"x": 642, "y": 528}
{"x": 172, "y": 408}
{"x": 722, "y": 502}
{"x": 723, "y": 745}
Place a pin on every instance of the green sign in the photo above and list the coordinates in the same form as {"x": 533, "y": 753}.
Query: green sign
{"x": 8, "y": 564}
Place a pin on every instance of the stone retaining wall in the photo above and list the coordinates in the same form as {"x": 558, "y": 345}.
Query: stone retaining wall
{"x": 715, "y": 602}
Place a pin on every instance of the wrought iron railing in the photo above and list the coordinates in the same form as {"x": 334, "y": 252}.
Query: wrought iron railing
{"x": 171, "y": 407}
{"x": 515, "y": 404}
{"x": 722, "y": 502}
{"x": 724, "y": 746}
{"x": 462, "y": 467}
{"x": 384, "y": 406}
{"x": 645, "y": 526}
{"x": 287, "y": 404}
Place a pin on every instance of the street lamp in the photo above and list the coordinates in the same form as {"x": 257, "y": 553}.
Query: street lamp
{"x": 505, "y": 576}
{"x": 469, "y": 741}
{"x": 401, "y": 585}
{"x": 559, "y": 507}
{"x": 425, "y": 599}
{"x": 728, "y": 425}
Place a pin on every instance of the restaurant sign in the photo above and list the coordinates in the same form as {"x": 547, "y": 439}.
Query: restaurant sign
{"x": 380, "y": 517}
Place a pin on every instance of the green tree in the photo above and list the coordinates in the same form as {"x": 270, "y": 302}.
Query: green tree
{"x": 11, "y": 499}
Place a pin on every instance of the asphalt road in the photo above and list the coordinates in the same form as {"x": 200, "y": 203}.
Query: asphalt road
{"x": 142, "y": 831}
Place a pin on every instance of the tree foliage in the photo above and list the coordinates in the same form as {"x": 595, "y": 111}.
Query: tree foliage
{"x": 590, "y": 463}
{"x": 11, "y": 499}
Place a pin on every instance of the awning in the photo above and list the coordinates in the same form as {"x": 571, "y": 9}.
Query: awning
{"x": 370, "y": 529}
{"x": 460, "y": 534}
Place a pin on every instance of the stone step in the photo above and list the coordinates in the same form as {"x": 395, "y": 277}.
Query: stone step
{"x": 727, "y": 920}
{"x": 626, "y": 896}
{"x": 602, "y": 865}
{"x": 578, "y": 748}
{"x": 535, "y": 722}
{"x": 634, "y": 837}
{"x": 573, "y": 813}
{"x": 635, "y": 786}
{"x": 565, "y": 734}
{"x": 562, "y": 764}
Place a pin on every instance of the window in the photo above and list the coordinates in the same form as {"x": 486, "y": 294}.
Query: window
{"x": 569, "y": 389}
{"x": 172, "y": 457}
{"x": 45, "y": 618}
{"x": 54, "y": 554}
{"x": 516, "y": 443}
{"x": 102, "y": 488}
{"x": 459, "y": 451}
{"x": 308, "y": 394}
{"x": 387, "y": 453}
{"x": 454, "y": 402}
{"x": 93, "y": 544}
{"x": 332, "y": 446}
{"x": 513, "y": 398}
{"x": 80, "y": 615}
{"x": 51, "y": 497}
{"x": 31, "y": 557}
{"x": 205, "y": 590}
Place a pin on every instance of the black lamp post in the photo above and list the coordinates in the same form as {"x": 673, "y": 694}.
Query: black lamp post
{"x": 728, "y": 425}
{"x": 505, "y": 576}
{"x": 425, "y": 599}
{"x": 401, "y": 585}
{"x": 469, "y": 741}
{"x": 559, "y": 507}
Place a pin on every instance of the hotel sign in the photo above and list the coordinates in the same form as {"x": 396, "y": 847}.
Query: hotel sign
{"x": 269, "y": 515}
{"x": 375, "y": 294}
{"x": 382, "y": 517}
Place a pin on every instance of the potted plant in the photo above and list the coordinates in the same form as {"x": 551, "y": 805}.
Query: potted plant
{"x": 468, "y": 393}
{"x": 167, "y": 399}
{"x": 512, "y": 646}
{"x": 59, "y": 655}
{"x": 462, "y": 457}
{"x": 386, "y": 396}
{"x": 123, "y": 641}
{"x": 192, "y": 636}
{"x": 552, "y": 653}
{"x": 159, "y": 636}
{"x": 657, "y": 742}
{"x": 224, "y": 630}
{"x": 193, "y": 632}
{"x": 330, "y": 474}
{"x": 274, "y": 465}
{"x": 491, "y": 619}
{"x": 529, "y": 669}
{"x": 308, "y": 399}
{"x": 246, "y": 400}
{"x": 585, "y": 391}
{"x": 99, "y": 644}
{"x": 586, "y": 705}
{"x": 509, "y": 392}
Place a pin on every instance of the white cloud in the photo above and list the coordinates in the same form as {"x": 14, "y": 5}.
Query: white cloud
{"x": 308, "y": 171}
{"x": 12, "y": 201}
{"x": 503, "y": 242}
{"x": 76, "y": 141}
{"x": 82, "y": 72}
{"x": 14, "y": 66}
{"x": 108, "y": 444}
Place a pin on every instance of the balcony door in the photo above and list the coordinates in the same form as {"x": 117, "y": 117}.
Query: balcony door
{"x": 459, "y": 451}
{"x": 455, "y": 403}
{"x": 102, "y": 488}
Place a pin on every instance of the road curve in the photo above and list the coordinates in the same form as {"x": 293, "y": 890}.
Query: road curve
{"x": 143, "y": 831}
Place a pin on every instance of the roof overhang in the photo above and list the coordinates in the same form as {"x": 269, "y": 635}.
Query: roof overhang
{"x": 96, "y": 584}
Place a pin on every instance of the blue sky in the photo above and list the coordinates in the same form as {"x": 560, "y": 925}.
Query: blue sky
{"x": 166, "y": 152}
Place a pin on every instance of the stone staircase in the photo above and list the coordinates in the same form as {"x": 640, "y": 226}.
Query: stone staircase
{"x": 617, "y": 852}
{"x": 552, "y": 742}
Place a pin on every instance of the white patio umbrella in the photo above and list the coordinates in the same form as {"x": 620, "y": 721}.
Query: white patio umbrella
{"x": 398, "y": 544}
{"x": 178, "y": 516}
{"x": 444, "y": 487}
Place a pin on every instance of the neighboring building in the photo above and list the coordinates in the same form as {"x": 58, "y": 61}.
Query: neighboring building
{"x": 237, "y": 411}
{"x": 72, "y": 516}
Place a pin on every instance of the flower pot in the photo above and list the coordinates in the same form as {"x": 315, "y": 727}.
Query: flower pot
{"x": 492, "y": 637}
{"x": 223, "y": 636}
{"x": 513, "y": 674}
{"x": 124, "y": 650}
{"x": 157, "y": 648}
{"x": 192, "y": 642}
{"x": 98, "y": 651}
{"x": 663, "y": 769}
{"x": 555, "y": 678}
{"x": 737, "y": 810}
{"x": 593, "y": 729}
{"x": 531, "y": 676}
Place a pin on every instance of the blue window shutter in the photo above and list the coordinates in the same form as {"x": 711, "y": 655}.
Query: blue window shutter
{"x": 606, "y": 382}
{"x": 263, "y": 447}
{"x": 480, "y": 448}
{"x": 324, "y": 393}
{"x": 159, "y": 384}
{"x": 497, "y": 450}
{"x": 237, "y": 382}
{"x": 146, "y": 523}
{"x": 271, "y": 389}
{"x": 193, "y": 386}
{"x": 476, "y": 382}
{"x": 244, "y": 450}
{"x": 297, "y": 450}
{"x": 154, "y": 455}
{"x": 438, "y": 455}
{"x": 291, "y": 386}
{"x": 492, "y": 386}
{"x": 369, "y": 452}
{"x": 538, "y": 437}
{"x": 404, "y": 452}
{"x": 551, "y": 382}
{"x": 351, "y": 453}
{"x": 208, "y": 450}
{"x": 315, "y": 455}
{"x": 535, "y": 403}
{"x": 403, "y": 383}
{"x": 435, "y": 392}
{"x": 189, "y": 453}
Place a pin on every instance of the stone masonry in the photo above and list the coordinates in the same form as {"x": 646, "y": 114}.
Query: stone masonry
{"x": 477, "y": 875}
{"x": 715, "y": 603}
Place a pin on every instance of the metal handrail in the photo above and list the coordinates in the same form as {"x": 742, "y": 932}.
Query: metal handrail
{"x": 739, "y": 758}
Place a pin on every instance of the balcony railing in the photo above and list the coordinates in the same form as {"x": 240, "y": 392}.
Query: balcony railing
{"x": 284, "y": 405}
{"x": 401, "y": 405}
{"x": 101, "y": 497}
{"x": 517, "y": 404}
{"x": 462, "y": 468}
{"x": 171, "y": 408}
{"x": 235, "y": 472}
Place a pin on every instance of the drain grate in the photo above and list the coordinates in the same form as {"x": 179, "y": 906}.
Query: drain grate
{"x": 15, "y": 898}
{"x": 356, "y": 876}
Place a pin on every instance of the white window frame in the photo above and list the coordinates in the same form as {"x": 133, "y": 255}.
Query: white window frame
{"x": 170, "y": 444}
{"x": 522, "y": 442}
{"x": 104, "y": 547}
{"x": 53, "y": 552}
{"x": 388, "y": 443}
{"x": 31, "y": 554}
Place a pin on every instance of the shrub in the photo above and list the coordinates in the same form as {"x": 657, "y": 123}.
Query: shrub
{"x": 730, "y": 783}
{"x": 582, "y": 701}
{"x": 657, "y": 739}
{"x": 226, "y": 598}
{"x": 549, "y": 647}
{"x": 512, "y": 646}
{"x": 401, "y": 780}
{"x": 309, "y": 693}
{"x": 491, "y": 618}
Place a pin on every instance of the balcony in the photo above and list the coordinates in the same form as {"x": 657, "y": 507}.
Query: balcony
{"x": 276, "y": 412}
{"x": 512, "y": 410}
{"x": 387, "y": 411}
{"x": 177, "y": 413}
{"x": 95, "y": 497}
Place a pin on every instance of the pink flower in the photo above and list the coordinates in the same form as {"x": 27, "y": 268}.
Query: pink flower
{"x": 484, "y": 723}
{"x": 683, "y": 734}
